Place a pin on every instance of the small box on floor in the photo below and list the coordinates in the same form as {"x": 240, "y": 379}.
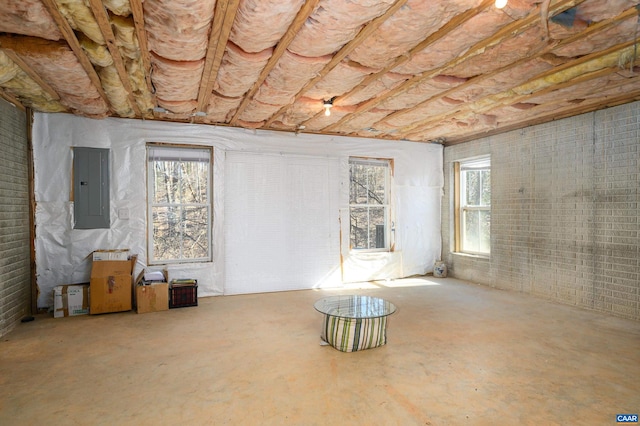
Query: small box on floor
{"x": 70, "y": 300}
{"x": 152, "y": 298}
{"x": 183, "y": 293}
{"x": 151, "y": 293}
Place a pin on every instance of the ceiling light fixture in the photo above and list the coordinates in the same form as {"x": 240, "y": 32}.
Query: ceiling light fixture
{"x": 327, "y": 106}
{"x": 501, "y": 3}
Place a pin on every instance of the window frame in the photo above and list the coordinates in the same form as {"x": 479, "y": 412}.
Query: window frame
{"x": 460, "y": 206}
{"x": 151, "y": 260}
{"x": 387, "y": 205}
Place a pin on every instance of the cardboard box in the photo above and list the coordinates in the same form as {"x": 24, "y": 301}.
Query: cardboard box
{"x": 70, "y": 300}
{"x": 152, "y": 298}
{"x": 120, "y": 254}
{"x": 111, "y": 285}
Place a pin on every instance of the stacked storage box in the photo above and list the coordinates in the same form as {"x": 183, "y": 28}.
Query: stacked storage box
{"x": 183, "y": 292}
{"x": 111, "y": 281}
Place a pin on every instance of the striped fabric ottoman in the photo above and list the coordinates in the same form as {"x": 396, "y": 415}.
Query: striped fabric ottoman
{"x": 354, "y": 323}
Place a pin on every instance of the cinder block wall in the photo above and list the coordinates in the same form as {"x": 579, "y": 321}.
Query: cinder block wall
{"x": 565, "y": 209}
{"x": 15, "y": 278}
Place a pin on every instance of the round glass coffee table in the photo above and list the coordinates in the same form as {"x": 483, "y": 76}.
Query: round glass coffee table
{"x": 354, "y": 323}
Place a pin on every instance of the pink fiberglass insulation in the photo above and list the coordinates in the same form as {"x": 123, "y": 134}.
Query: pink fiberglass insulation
{"x": 250, "y": 124}
{"x": 258, "y": 111}
{"x": 503, "y": 54}
{"x": 58, "y": 65}
{"x": 250, "y": 31}
{"x": 501, "y": 81}
{"x": 378, "y": 87}
{"x": 178, "y": 29}
{"x": 289, "y": 75}
{"x": 458, "y": 127}
{"x": 221, "y": 108}
{"x": 438, "y": 106}
{"x": 178, "y": 107}
{"x": 302, "y": 110}
{"x": 618, "y": 33}
{"x": 599, "y": 10}
{"x": 239, "y": 70}
{"x": 28, "y": 17}
{"x": 344, "y": 77}
{"x": 174, "y": 80}
{"x": 363, "y": 120}
{"x": 456, "y": 43}
{"x": 92, "y": 107}
{"x": 421, "y": 92}
{"x": 320, "y": 121}
{"x": 418, "y": 19}
{"x": 333, "y": 24}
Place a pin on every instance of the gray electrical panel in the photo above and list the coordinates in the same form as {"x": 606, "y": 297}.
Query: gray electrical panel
{"x": 91, "y": 188}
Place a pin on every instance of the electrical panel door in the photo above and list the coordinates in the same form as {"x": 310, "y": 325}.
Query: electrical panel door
{"x": 91, "y": 188}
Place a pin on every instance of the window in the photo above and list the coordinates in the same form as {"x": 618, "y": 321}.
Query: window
{"x": 369, "y": 204}
{"x": 179, "y": 194}
{"x": 472, "y": 187}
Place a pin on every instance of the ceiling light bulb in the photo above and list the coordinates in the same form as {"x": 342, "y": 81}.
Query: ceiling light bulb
{"x": 501, "y": 3}
{"x": 327, "y": 107}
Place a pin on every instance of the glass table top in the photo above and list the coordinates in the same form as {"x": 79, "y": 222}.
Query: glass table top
{"x": 354, "y": 306}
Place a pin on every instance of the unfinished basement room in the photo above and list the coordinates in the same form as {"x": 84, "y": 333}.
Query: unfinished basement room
{"x": 319, "y": 212}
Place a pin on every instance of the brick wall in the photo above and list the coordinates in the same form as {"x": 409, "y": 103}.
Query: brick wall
{"x": 565, "y": 211}
{"x": 14, "y": 218}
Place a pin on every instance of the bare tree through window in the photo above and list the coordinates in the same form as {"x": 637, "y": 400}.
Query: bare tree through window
{"x": 180, "y": 207}
{"x": 369, "y": 203}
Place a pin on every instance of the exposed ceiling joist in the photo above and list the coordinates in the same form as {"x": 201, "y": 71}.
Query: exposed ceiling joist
{"x": 588, "y": 106}
{"x": 364, "y": 33}
{"x": 138, "y": 19}
{"x": 222, "y": 23}
{"x": 74, "y": 44}
{"x": 306, "y": 10}
{"x": 503, "y": 33}
{"x": 589, "y": 30}
{"x": 31, "y": 73}
{"x": 11, "y": 99}
{"x": 100, "y": 13}
{"x": 586, "y": 68}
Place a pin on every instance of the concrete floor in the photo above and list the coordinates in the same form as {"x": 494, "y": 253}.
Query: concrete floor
{"x": 457, "y": 353}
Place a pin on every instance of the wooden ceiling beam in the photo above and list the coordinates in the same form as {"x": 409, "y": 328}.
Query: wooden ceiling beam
{"x": 439, "y": 34}
{"x": 512, "y": 96}
{"x": 590, "y": 106}
{"x": 305, "y": 11}
{"x": 138, "y": 19}
{"x": 364, "y": 33}
{"x": 31, "y": 73}
{"x": 600, "y": 26}
{"x": 431, "y": 39}
{"x": 223, "y": 18}
{"x": 102, "y": 18}
{"x": 74, "y": 44}
{"x": 507, "y": 31}
{"x": 11, "y": 99}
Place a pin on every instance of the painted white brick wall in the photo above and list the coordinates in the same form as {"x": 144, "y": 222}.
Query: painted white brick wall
{"x": 565, "y": 211}
{"x": 14, "y": 218}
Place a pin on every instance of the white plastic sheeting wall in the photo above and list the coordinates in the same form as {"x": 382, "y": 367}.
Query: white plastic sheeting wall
{"x": 281, "y": 228}
{"x": 61, "y": 251}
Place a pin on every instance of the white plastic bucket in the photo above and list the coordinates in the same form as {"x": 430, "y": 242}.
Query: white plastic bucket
{"x": 440, "y": 269}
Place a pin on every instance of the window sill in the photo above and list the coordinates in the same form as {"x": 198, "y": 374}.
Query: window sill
{"x": 473, "y": 256}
